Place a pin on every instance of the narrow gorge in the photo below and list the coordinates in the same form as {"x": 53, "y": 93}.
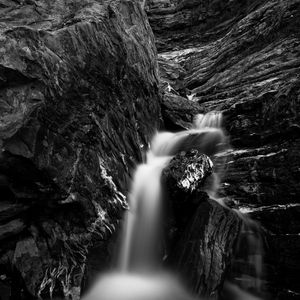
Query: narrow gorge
{"x": 84, "y": 87}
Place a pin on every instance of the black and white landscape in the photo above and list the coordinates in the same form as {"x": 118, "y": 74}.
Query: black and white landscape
{"x": 208, "y": 209}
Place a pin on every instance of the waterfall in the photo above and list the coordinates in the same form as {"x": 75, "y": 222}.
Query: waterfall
{"x": 143, "y": 219}
{"x": 143, "y": 222}
{"x": 139, "y": 276}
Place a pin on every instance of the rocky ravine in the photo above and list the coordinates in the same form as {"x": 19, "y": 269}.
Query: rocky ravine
{"x": 242, "y": 58}
{"x": 78, "y": 100}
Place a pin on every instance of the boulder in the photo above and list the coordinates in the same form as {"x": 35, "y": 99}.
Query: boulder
{"x": 187, "y": 172}
{"x": 184, "y": 179}
{"x": 202, "y": 233}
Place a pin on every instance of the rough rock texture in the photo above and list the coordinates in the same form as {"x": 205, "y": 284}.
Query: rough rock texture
{"x": 78, "y": 100}
{"x": 188, "y": 171}
{"x": 281, "y": 223}
{"x": 203, "y": 252}
{"x": 202, "y": 233}
{"x": 242, "y": 58}
{"x": 186, "y": 23}
{"x": 184, "y": 179}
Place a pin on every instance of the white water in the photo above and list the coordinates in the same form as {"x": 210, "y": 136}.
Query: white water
{"x": 139, "y": 276}
{"x": 142, "y": 224}
{"x": 136, "y": 286}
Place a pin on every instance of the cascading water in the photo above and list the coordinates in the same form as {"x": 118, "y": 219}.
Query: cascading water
{"x": 143, "y": 222}
{"x": 139, "y": 275}
{"x": 247, "y": 271}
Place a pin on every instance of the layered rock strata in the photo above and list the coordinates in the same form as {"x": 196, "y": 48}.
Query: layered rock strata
{"x": 242, "y": 58}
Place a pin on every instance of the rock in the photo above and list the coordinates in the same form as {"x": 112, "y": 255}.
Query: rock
{"x": 278, "y": 219}
{"x": 282, "y": 263}
{"x": 182, "y": 24}
{"x": 79, "y": 100}
{"x": 184, "y": 179}
{"x": 288, "y": 295}
{"x": 10, "y": 210}
{"x": 187, "y": 171}
{"x": 281, "y": 227}
{"x": 11, "y": 228}
{"x": 263, "y": 176}
{"x": 28, "y": 260}
{"x": 204, "y": 250}
{"x": 241, "y": 58}
{"x": 178, "y": 113}
{"x": 202, "y": 235}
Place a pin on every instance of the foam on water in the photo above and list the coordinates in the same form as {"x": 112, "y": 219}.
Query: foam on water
{"x": 138, "y": 286}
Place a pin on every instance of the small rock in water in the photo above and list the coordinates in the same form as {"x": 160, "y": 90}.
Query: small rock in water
{"x": 188, "y": 171}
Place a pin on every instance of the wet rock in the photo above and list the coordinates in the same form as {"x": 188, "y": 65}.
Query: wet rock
{"x": 241, "y": 58}
{"x": 288, "y": 295}
{"x": 187, "y": 172}
{"x": 9, "y": 210}
{"x": 177, "y": 112}
{"x": 184, "y": 179}
{"x": 204, "y": 250}
{"x": 28, "y": 260}
{"x": 79, "y": 100}
{"x": 11, "y": 228}
{"x": 201, "y": 232}
{"x": 278, "y": 219}
{"x": 282, "y": 263}
{"x": 247, "y": 270}
{"x": 263, "y": 176}
{"x": 281, "y": 227}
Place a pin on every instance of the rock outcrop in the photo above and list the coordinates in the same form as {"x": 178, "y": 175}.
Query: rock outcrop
{"x": 202, "y": 233}
{"x": 242, "y": 58}
{"x": 79, "y": 99}
{"x": 204, "y": 249}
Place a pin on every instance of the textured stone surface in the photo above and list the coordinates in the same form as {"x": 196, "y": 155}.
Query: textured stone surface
{"x": 203, "y": 251}
{"x": 78, "y": 100}
{"x": 187, "y": 172}
{"x": 201, "y": 234}
{"x": 185, "y": 23}
{"x": 282, "y": 266}
{"x": 213, "y": 248}
{"x": 242, "y": 58}
{"x": 184, "y": 180}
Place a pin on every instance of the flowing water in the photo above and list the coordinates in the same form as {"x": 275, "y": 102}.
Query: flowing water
{"x": 139, "y": 276}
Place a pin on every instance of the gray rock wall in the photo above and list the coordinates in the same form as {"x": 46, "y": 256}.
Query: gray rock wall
{"x": 79, "y": 100}
{"x": 242, "y": 58}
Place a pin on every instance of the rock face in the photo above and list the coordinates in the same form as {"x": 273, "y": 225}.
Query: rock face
{"x": 203, "y": 252}
{"x": 183, "y": 180}
{"x": 203, "y": 246}
{"x": 78, "y": 100}
{"x": 242, "y": 58}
